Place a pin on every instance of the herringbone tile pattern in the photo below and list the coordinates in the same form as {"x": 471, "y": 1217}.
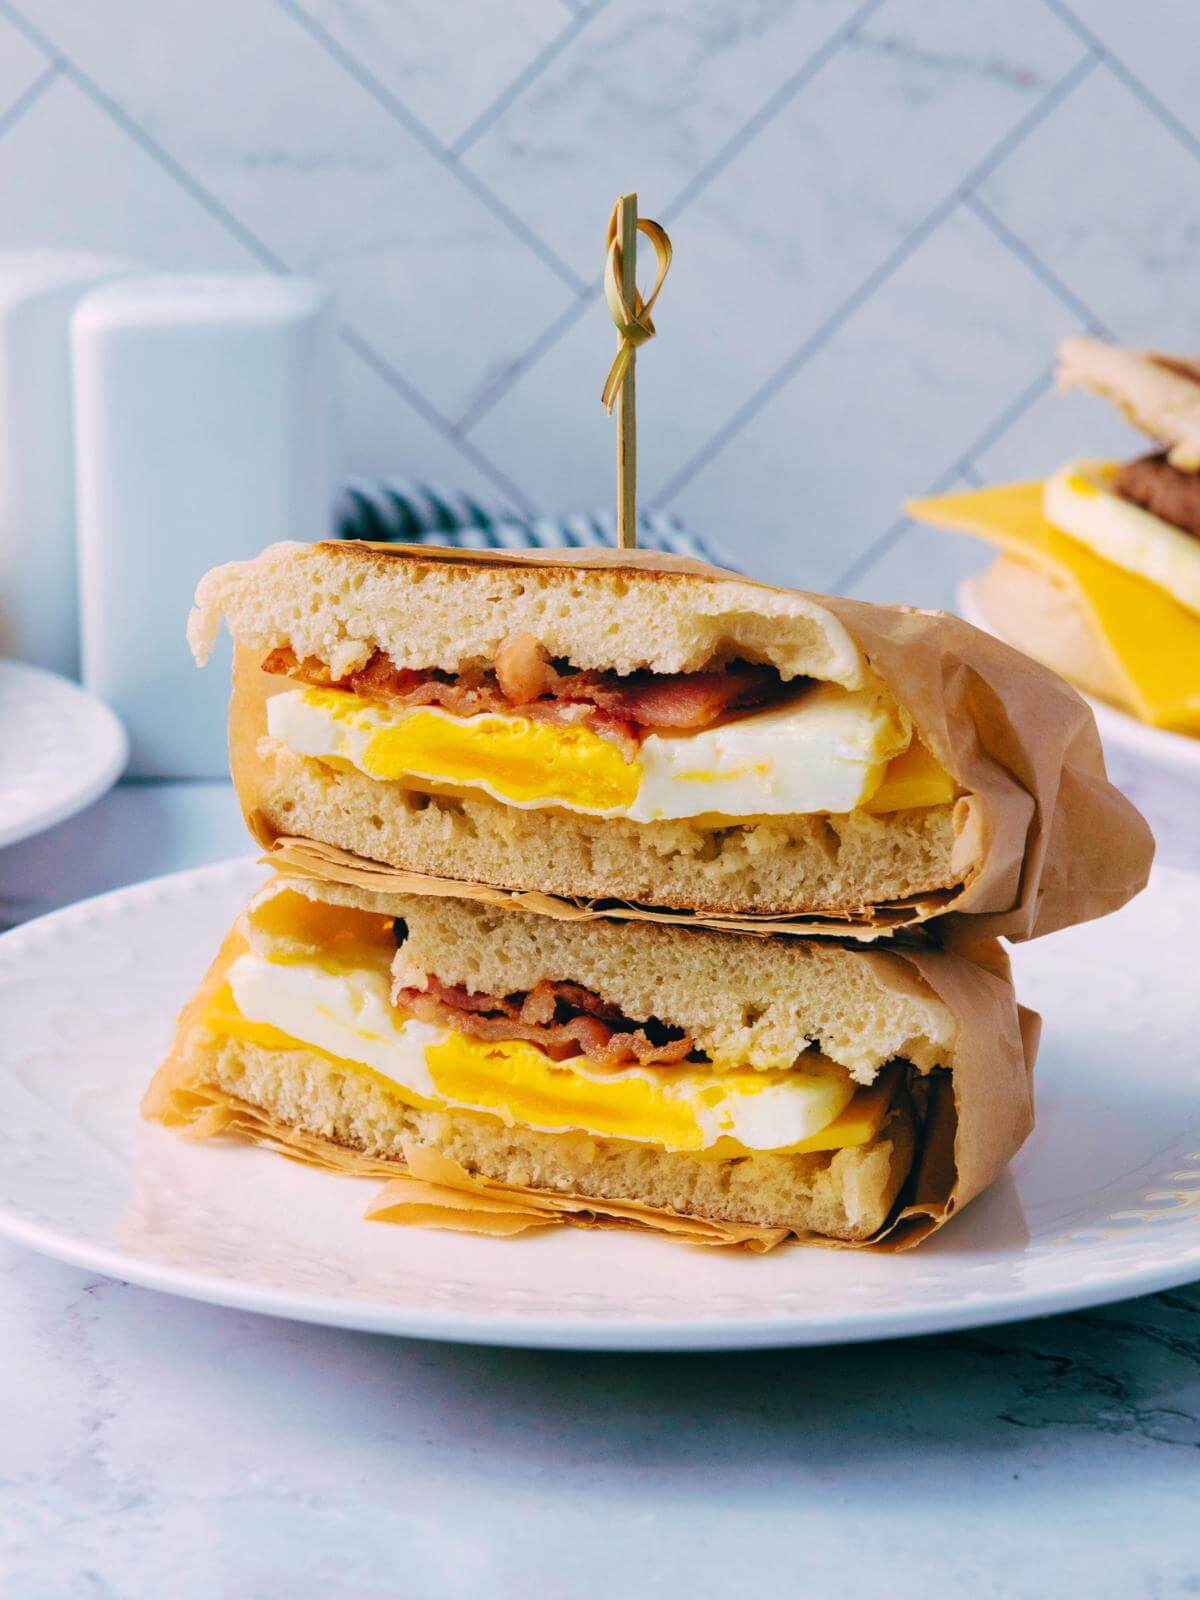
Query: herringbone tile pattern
{"x": 885, "y": 215}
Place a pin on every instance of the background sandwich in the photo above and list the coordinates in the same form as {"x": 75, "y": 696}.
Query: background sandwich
{"x": 1099, "y": 575}
{"x": 507, "y": 1071}
{"x": 650, "y": 731}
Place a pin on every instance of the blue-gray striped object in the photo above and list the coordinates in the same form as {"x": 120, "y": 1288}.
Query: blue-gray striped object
{"x": 402, "y": 511}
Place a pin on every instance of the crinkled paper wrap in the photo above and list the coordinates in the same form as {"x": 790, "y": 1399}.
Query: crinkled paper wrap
{"x": 325, "y": 863}
{"x": 974, "y": 1118}
{"x": 1043, "y": 839}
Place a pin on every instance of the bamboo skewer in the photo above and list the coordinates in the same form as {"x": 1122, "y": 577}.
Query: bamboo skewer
{"x": 627, "y": 221}
{"x": 634, "y": 327}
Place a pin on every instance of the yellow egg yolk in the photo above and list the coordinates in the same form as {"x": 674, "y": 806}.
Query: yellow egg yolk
{"x": 519, "y": 758}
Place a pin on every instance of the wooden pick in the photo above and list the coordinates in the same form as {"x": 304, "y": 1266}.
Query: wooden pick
{"x": 627, "y": 221}
{"x": 634, "y": 327}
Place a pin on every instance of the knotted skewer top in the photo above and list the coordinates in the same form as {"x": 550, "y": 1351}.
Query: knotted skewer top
{"x": 630, "y": 312}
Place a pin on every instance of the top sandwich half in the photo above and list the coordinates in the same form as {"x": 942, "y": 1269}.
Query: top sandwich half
{"x": 625, "y": 727}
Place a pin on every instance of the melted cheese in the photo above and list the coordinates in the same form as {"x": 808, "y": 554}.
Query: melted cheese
{"x": 911, "y": 780}
{"x": 1152, "y": 641}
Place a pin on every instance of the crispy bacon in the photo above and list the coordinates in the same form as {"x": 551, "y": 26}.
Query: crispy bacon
{"x": 523, "y": 670}
{"x": 380, "y": 679}
{"x": 563, "y": 1019}
{"x": 620, "y": 709}
{"x": 684, "y": 701}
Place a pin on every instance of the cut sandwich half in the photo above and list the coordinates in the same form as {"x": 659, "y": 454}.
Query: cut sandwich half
{"x": 647, "y": 732}
{"x": 1099, "y": 575}
{"x": 507, "y": 1070}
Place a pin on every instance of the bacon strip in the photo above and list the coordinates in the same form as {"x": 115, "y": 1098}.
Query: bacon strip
{"x": 523, "y": 670}
{"x": 685, "y": 701}
{"x": 563, "y": 1019}
{"x": 621, "y": 709}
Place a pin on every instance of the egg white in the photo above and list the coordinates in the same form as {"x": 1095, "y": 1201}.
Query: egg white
{"x": 1078, "y": 500}
{"x": 824, "y": 751}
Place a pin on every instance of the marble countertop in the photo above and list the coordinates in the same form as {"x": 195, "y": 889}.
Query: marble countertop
{"x": 152, "y": 1446}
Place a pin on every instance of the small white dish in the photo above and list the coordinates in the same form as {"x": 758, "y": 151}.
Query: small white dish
{"x": 1116, "y": 727}
{"x": 1103, "y": 1201}
{"x": 60, "y": 749}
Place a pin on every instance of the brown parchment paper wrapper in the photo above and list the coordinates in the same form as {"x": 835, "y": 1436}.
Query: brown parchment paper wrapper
{"x": 1043, "y": 839}
{"x": 974, "y": 1115}
{"x": 309, "y": 858}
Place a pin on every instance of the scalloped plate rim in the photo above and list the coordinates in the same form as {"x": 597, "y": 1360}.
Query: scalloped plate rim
{"x": 634, "y": 1335}
{"x": 109, "y": 751}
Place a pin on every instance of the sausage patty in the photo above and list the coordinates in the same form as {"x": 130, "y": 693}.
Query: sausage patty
{"x": 1154, "y": 484}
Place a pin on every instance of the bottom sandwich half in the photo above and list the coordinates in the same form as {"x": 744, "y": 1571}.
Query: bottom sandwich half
{"x": 503, "y": 1071}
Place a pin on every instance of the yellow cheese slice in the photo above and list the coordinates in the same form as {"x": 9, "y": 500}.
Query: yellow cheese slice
{"x": 912, "y": 779}
{"x": 223, "y": 1018}
{"x": 857, "y": 1124}
{"x": 1153, "y": 642}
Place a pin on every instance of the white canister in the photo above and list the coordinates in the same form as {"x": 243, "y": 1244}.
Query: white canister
{"x": 39, "y": 609}
{"x": 203, "y": 432}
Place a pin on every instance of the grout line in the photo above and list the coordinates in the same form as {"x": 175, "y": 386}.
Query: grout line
{"x": 546, "y": 340}
{"x": 495, "y": 391}
{"x": 1015, "y": 409}
{"x": 1044, "y": 274}
{"x": 61, "y": 64}
{"x": 145, "y": 141}
{"x": 383, "y": 97}
{"x": 29, "y": 96}
{"x": 528, "y": 75}
{"x": 767, "y": 113}
{"x": 874, "y": 280}
{"x": 879, "y": 547}
{"x": 396, "y": 380}
{"x": 151, "y": 147}
{"x": 963, "y": 466}
{"x": 1119, "y": 70}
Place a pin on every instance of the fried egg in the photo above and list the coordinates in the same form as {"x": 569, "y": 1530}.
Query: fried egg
{"x": 1079, "y": 500}
{"x": 828, "y": 749}
{"x": 346, "y": 1013}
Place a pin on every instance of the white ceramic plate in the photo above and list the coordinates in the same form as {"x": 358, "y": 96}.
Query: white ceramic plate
{"x": 1103, "y": 1202}
{"x": 60, "y": 749}
{"x": 1116, "y": 727}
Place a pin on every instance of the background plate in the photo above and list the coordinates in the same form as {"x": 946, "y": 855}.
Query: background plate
{"x": 1116, "y": 727}
{"x": 1103, "y": 1202}
{"x": 60, "y": 749}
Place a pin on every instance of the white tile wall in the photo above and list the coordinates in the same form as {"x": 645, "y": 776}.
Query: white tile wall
{"x": 22, "y": 66}
{"x": 885, "y": 215}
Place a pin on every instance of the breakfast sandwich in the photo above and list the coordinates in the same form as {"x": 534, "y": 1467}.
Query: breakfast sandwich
{"x": 503, "y": 1070}
{"x": 645, "y": 735}
{"x": 1099, "y": 570}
